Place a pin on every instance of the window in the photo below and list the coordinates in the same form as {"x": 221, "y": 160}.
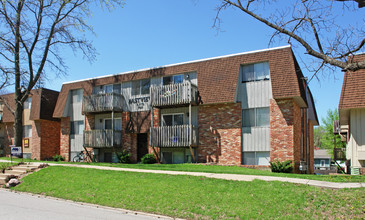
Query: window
{"x": 28, "y": 103}
{"x": 116, "y": 88}
{"x": 255, "y": 72}
{"x": 117, "y": 124}
{"x": 167, "y": 80}
{"x": 323, "y": 163}
{"x": 27, "y": 131}
{"x": 77, "y": 127}
{"x": 256, "y": 158}
{"x": 172, "y": 119}
{"x": 76, "y": 95}
{"x": 141, "y": 87}
{"x": 256, "y": 117}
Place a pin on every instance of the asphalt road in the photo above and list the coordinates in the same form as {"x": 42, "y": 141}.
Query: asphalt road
{"x": 25, "y": 206}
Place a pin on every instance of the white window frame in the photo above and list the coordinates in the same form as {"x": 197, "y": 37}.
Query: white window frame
{"x": 255, "y": 117}
{"x": 28, "y": 128}
{"x": 81, "y": 131}
{"x": 173, "y": 79}
{"x": 79, "y": 93}
{"x": 242, "y": 72}
{"x": 28, "y": 103}
{"x": 256, "y": 158}
{"x": 138, "y": 91}
{"x": 112, "y": 122}
{"x": 323, "y": 163}
{"x": 172, "y": 114}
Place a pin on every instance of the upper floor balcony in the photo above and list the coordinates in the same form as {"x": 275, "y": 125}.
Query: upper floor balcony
{"x": 174, "y": 136}
{"x": 174, "y": 95}
{"x": 103, "y": 138}
{"x": 105, "y": 102}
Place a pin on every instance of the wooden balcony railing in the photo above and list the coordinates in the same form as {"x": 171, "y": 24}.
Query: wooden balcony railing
{"x": 102, "y": 103}
{"x": 174, "y": 94}
{"x": 102, "y": 138}
{"x": 339, "y": 153}
{"x": 174, "y": 136}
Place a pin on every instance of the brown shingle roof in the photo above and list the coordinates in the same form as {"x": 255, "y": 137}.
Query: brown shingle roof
{"x": 217, "y": 77}
{"x": 43, "y": 104}
{"x": 353, "y": 88}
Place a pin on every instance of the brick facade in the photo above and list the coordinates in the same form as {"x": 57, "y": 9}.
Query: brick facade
{"x": 287, "y": 122}
{"x": 220, "y": 134}
{"x": 36, "y": 140}
{"x": 50, "y": 139}
{"x": 65, "y": 138}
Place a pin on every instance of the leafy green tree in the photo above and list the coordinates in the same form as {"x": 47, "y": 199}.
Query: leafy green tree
{"x": 324, "y": 136}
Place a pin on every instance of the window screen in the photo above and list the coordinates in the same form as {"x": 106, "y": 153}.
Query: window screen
{"x": 256, "y": 117}
{"x": 145, "y": 86}
{"x": 136, "y": 87}
{"x": 77, "y": 127}
{"x": 248, "y": 117}
{"x": 27, "y": 131}
{"x": 256, "y": 158}
{"x": 263, "y": 117}
{"x": 255, "y": 72}
{"x": 28, "y": 103}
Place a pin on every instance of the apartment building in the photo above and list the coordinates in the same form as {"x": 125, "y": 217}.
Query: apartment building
{"x": 352, "y": 116}
{"x": 241, "y": 109}
{"x": 41, "y": 132}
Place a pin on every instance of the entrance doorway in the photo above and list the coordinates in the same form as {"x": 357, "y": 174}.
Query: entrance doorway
{"x": 142, "y": 146}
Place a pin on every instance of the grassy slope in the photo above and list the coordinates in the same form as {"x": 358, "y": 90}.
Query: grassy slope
{"x": 224, "y": 169}
{"x": 195, "y": 197}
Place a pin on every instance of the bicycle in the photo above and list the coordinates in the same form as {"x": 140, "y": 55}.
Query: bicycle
{"x": 80, "y": 157}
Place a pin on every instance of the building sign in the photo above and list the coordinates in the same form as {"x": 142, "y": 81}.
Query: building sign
{"x": 139, "y": 102}
{"x": 26, "y": 142}
{"x": 16, "y": 151}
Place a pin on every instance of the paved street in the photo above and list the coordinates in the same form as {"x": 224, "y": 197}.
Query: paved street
{"x": 25, "y": 206}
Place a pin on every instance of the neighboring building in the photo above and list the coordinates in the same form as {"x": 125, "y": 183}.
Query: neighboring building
{"x": 41, "y": 132}
{"x": 241, "y": 109}
{"x": 352, "y": 116}
{"x": 322, "y": 160}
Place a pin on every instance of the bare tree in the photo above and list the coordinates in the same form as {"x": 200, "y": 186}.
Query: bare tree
{"x": 315, "y": 25}
{"x": 32, "y": 36}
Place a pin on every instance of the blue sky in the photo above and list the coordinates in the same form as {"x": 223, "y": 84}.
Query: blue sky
{"x": 148, "y": 33}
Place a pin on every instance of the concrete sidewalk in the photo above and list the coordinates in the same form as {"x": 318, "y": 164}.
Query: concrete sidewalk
{"x": 237, "y": 177}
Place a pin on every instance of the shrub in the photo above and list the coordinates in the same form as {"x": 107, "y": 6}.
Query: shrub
{"x": 58, "y": 158}
{"x": 124, "y": 157}
{"x": 281, "y": 167}
{"x": 148, "y": 159}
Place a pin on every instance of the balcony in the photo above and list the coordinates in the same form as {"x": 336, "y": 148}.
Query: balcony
{"x": 174, "y": 95}
{"x": 102, "y": 103}
{"x": 102, "y": 138}
{"x": 174, "y": 136}
{"x": 339, "y": 153}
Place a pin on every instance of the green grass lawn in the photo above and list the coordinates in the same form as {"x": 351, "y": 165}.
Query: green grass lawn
{"x": 196, "y": 197}
{"x": 220, "y": 169}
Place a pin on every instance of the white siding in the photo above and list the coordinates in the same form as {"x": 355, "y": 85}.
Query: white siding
{"x": 255, "y": 94}
{"x": 256, "y": 139}
{"x": 356, "y": 144}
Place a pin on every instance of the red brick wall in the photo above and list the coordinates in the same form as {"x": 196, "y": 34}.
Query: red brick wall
{"x": 36, "y": 140}
{"x": 89, "y": 122}
{"x": 50, "y": 139}
{"x": 285, "y": 133}
{"x": 220, "y": 134}
{"x": 65, "y": 138}
{"x": 281, "y": 130}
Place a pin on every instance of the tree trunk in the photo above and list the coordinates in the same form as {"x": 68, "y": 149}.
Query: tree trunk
{"x": 18, "y": 116}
